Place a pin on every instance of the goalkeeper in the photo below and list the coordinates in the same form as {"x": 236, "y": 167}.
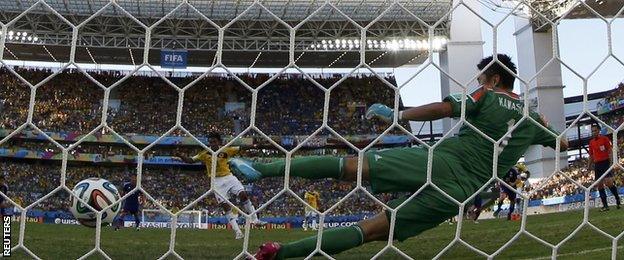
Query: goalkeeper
{"x": 461, "y": 164}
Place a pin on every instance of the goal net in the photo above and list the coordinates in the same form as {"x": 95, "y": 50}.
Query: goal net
{"x": 349, "y": 37}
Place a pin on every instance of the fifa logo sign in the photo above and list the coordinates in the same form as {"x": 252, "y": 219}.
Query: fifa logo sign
{"x": 173, "y": 58}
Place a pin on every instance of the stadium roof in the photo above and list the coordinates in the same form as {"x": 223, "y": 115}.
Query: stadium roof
{"x": 113, "y": 34}
{"x": 573, "y": 9}
{"x": 606, "y": 8}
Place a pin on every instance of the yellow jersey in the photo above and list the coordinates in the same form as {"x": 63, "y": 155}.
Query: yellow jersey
{"x": 223, "y": 169}
{"x": 312, "y": 198}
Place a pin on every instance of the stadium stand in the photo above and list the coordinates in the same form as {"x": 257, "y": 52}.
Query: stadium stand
{"x": 59, "y": 109}
{"x": 70, "y": 103}
{"x": 67, "y": 104}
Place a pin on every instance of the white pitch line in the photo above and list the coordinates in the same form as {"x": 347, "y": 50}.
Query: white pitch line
{"x": 576, "y": 253}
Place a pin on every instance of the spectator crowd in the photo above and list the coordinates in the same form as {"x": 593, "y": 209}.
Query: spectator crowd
{"x": 611, "y": 105}
{"x": 289, "y": 105}
{"x": 559, "y": 185}
{"x": 147, "y": 105}
{"x": 175, "y": 188}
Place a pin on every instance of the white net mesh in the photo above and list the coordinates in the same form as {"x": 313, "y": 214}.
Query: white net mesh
{"x": 295, "y": 53}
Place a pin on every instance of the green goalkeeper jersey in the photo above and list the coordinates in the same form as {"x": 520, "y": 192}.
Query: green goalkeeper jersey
{"x": 494, "y": 112}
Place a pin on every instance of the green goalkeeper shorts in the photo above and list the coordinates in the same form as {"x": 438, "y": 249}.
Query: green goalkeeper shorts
{"x": 405, "y": 170}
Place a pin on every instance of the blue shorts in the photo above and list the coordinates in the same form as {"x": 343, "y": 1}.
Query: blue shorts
{"x": 131, "y": 209}
{"x": 478, "y": 201}
{"x": 510, "y": 193}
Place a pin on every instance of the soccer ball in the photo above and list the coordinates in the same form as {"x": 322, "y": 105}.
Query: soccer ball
{"x": 98, "y": 193}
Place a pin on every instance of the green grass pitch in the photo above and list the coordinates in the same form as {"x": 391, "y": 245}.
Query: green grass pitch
{"x": 51, "y": 241}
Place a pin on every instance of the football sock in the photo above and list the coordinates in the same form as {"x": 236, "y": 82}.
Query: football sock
{"x": 614, "y": 191}
{"x": 232, "y": 220}
{"x": 603, "y": 197}
{"x": 512, "y": 206}
{"x": 120, "y": 222}
{"x": 477, "y": 213}
{"x": 334, "y": 241}
{"x": 137, "y": 221}
{"x": 498, "y": 208}
{"x": 249, "y": 208}
{"x": 117, "y": 222}
{"x": 309, "y": 167}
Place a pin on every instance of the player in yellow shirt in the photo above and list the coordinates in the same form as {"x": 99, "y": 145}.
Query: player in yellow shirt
{"x": 311, "y": 197}
{"x": 227, "y": 186}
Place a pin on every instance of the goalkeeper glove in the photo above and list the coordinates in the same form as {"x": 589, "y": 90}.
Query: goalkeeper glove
{"x": 380, "y": 111}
